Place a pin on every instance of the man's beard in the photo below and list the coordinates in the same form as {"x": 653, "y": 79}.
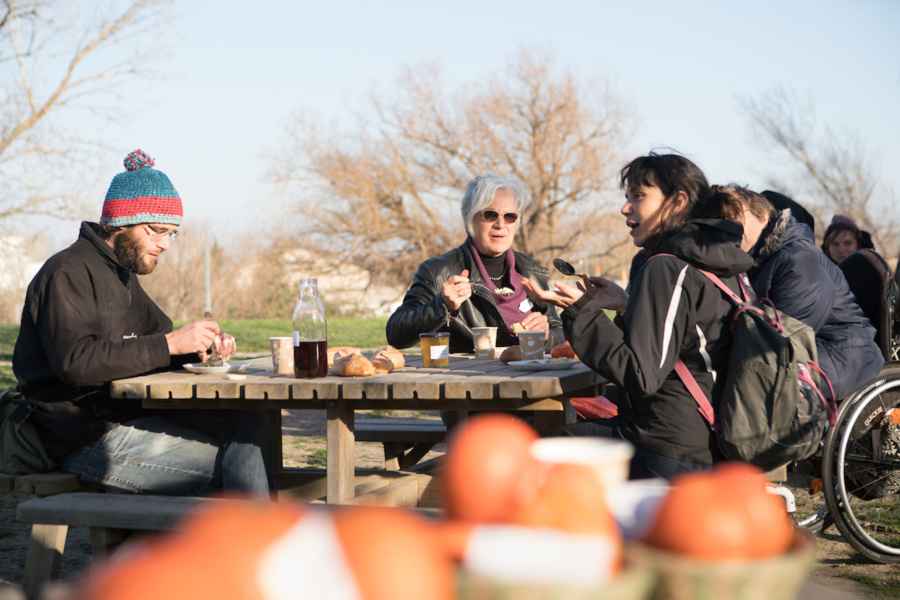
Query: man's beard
{"x": 129, "y": 249}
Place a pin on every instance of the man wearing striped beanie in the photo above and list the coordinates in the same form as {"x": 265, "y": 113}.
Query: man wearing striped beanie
{"x": 140, "y": 196}
{"x": 87, "y": 321}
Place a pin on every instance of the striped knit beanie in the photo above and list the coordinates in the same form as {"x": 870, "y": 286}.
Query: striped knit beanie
{"x": 141, "y": 195}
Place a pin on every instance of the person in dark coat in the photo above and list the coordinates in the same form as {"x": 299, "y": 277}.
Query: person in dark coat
{"x": 478, "y": 284}
{"x": 803, "y": 283}
{"x": 87, "y": 321}
{"x": 672, "y": 311}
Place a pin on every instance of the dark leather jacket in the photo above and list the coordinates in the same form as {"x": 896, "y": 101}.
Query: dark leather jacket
{"x": 423, "y": 308}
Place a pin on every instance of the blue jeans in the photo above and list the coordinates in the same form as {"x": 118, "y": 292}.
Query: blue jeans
{"x": 644, "y": 464}
{"x": 185, "y": 452}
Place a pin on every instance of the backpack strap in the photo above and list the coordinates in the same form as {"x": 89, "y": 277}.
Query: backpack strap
{"x": 693, "y": 387}
{"x": 746, "y": 303}
{"x": 734, "y": 297}
{"x": 703, "y": 405}
{"x": 830, "y": 403}
{"x": 728, "y": 291}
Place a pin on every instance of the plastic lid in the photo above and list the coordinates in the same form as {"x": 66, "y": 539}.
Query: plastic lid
{"x": 437, "y": 334}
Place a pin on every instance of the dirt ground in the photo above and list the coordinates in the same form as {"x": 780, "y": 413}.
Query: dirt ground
{"x": 839, "y": 572}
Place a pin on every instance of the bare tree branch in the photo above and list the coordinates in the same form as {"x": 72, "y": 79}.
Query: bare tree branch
{"x": 386, "y": 195}
{"x": 55, "y": 58}
{"x": 831, "y": 166}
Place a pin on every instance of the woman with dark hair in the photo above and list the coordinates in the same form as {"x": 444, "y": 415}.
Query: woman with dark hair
{"x": 802, "y": 283}
{"x": 673, "y": 311}
{"x": 843, "y": 238}
{"x": 478, "y": 284}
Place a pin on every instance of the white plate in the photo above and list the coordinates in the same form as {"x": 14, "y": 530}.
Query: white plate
{"x": 230, "y": 367}
{"x": 541, "y": 365}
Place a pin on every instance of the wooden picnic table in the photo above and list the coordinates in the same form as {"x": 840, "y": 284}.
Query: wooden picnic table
{"x": 468, "y": 384}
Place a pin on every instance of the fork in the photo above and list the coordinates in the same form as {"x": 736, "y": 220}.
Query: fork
{"x": 213, "y": 359}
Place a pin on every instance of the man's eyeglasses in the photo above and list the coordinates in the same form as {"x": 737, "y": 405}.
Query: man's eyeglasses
{"x": 490, "y": 215}
{"x": 158, "y": 235}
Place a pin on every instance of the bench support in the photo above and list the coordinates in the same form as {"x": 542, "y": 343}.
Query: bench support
{"x": 44, "y": 557}
{"x": 402, "y": 455}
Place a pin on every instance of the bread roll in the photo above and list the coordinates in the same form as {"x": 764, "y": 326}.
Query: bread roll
{"x": 352, "y": 365}
{"x": 510, "y": 354}
{"x": 343, "y": 349}
{"x": 382, "y": 364}
{"x": 517, "y": 327}
{"x": 392, "y": 354}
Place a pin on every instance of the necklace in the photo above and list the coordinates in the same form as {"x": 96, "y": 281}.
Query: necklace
{"x": 500, "y": 277}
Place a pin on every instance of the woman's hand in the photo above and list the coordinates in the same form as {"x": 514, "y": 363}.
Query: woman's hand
{"x": 564, "y": 296}
{"x": 536, "y": 321}
{"x": 456, "y": 290}
{"x": 606, "y": 293}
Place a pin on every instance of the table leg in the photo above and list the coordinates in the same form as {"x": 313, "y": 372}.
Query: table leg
{"x": 455, "y": 417}
{"x": 340, "y": 453}
{"x": 278, "y": 448}
{"x": 547, "y": 419}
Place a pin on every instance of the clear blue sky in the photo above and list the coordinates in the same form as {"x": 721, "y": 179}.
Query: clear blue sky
{"x": 242, "y": 68}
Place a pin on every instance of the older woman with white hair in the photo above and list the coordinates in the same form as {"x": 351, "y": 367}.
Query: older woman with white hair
{"x": 479, "y": 283}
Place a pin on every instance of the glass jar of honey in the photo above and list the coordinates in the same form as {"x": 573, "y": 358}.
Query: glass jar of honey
{"x": 435, "y": 349}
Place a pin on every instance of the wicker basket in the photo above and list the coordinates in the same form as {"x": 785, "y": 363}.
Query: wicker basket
{"x": 780, "y": 578}
{"x": 635, "y": 582}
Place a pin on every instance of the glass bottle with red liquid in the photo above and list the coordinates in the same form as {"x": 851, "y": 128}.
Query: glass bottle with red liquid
{"x": 310, "y": 333}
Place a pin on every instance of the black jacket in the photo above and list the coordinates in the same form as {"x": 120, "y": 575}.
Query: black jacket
{"x": 423, "y": 309}
{"x": 86, "y": 322}
{"x": 672, "y": 311}
{"x": 802, "y": 282}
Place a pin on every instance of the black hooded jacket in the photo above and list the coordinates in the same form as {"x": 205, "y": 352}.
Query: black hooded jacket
{"x": 673, "y": 310}
{"x": 86, "y": 322}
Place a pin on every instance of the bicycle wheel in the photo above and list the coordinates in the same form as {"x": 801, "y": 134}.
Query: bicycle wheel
{"x": 861, "y": 469}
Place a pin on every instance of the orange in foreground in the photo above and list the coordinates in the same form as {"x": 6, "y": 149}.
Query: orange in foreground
{"x": 570, "y": 498}
{"x": 265, "y": 551}
{"x": 488, "y": 468}
{"x": 725, "y": 514}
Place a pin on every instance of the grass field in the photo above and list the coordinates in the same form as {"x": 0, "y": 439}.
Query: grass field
{"x": 252, "y": 337}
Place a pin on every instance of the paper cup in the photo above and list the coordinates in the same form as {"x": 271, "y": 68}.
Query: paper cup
{"x": 610, "y": 458}
{"x": 485, "y": 339}
{"x": 532, "y": 344}
{"x": 282, "y": 355}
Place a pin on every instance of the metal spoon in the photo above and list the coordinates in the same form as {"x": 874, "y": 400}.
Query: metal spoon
{"x": 563, "y": 267}
{"x": 213, "y": 359}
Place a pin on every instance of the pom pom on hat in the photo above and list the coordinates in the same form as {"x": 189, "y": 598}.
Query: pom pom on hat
{"x": 136, "y": 160}
{"x": 141, "y": 195}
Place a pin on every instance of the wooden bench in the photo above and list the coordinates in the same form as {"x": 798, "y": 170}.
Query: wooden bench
{"x": 39, "y": 558}
{"x": 111, "y": 518}
{"x": 405, "y": 441}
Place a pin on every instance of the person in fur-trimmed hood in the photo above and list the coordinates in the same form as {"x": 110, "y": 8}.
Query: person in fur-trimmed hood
{"x": 802, "y": 282}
